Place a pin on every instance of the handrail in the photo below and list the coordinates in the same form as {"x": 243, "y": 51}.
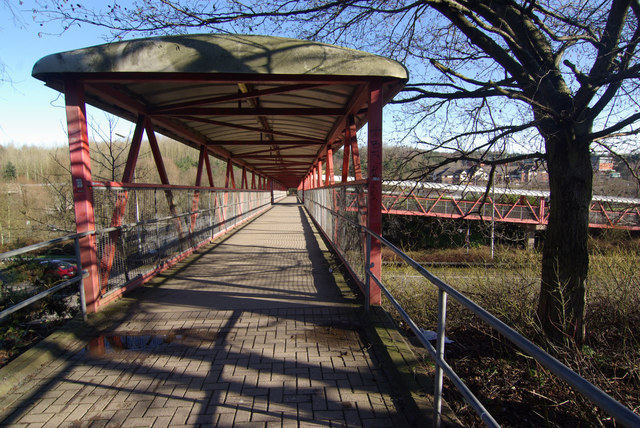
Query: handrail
{"x": 340, "y": 184}
{"x": 29, "y": 248}
{"x": 81, "y": 274}
{"x": 23, "y": 304}
{"x": 165, "y": 218}
{"x": 124, "y": 227}
{"x": 117, "y": 185}
{"x": 622, "y": 414}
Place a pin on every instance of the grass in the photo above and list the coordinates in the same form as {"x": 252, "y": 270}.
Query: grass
{"x": 515, "y": 388}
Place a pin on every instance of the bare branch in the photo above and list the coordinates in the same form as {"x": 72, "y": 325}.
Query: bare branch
{"x": 618, "y": 126}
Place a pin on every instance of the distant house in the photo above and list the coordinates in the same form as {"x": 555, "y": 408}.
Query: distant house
{"x": 602, "y": 163}
{"x": 460, "y": 176}
{"x": 445, "y": 175}
{"x": 527, "y": 173}
{"x": 478, "y": 174}
{"x": 475, "y": 174}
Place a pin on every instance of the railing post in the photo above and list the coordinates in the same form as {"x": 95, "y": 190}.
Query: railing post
{"x": 80, "y": 272}
{"x": 271, "y": 188}
{"x": 367, "y": 279}
{"x": 437, "y": 390}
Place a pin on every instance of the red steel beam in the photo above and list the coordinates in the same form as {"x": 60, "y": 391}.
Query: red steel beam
{"x": 208, "y": 167}
{"x": 346, "y": 155}
{"x": 162, "y": 172}
{"x": 355, "y": 153}
{"x": 248, "y": 128}
{"x": 196, "y": 194}
{"x": 82, "y": 193}
{"x": 270, "y": 148}
{"x": 355, "y": 104}
{"x": 230, "y": 178}
{"x": 244, "y": 184}
{"x": 262, "y": 157}
{"x": 280, "y": 143}
{"x": 374, "y": 183}
{"x": 238, "y": 96}
{"x": 248, "y": 111}
{"x": 329, "y": 178}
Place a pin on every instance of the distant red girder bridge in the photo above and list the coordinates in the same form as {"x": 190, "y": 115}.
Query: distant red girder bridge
{"x": 502, "y": 204}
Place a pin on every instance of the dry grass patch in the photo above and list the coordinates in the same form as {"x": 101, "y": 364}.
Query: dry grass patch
{"x": 514, "y": 387}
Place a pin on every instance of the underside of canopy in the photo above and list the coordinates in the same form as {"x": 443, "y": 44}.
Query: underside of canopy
{"x": 271, "y": 105}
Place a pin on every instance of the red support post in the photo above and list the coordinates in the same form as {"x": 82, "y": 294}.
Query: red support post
{"x": 208, "y": 166}
{"x": 196, "y": 193}
{"x": 353, "y": 138}
{"x": 81, "y": 184}
{"x": 346, "y": 153}
{"x": 374, "y": 183}
{"x": 229, "y": 179}
{"x": 329, "y": 175}
{"x": 334, "y": 203}
{"x": 253, "y": 180}
{"x": 230, "y": 176}
{"x": 244, "y": 184}
{"x": 320, "y": 173}
{"x": 271, "y": 188}
{"x": 162, "y": 172}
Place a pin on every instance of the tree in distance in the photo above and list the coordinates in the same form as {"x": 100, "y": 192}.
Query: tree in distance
{"x": 553, "y": 79}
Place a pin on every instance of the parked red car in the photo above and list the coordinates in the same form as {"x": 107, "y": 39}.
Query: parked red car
{"x": 58, "y": 269}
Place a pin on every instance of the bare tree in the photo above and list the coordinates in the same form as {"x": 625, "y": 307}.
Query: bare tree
{"x": 549, "y": 78}
{"x": 109, "y": 154}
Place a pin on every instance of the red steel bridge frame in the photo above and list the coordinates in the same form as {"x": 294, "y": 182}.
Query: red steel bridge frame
{"x": 83, "y": 184}
{"x": 277, "y": 153}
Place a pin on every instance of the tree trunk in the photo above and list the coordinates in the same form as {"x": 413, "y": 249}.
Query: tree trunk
{"x": 565, "y": 259}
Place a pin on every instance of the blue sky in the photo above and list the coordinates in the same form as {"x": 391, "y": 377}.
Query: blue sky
{"x": 31, "y": 113}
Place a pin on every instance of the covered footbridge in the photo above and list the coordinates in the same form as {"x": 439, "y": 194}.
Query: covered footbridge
{"x": 274, "y": 109}
{"x": 252, "y": 330}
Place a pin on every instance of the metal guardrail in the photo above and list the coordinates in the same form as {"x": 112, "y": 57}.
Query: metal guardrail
{"x": 277, "y": 195}
{"x": 621, "y": 413}
{"x": 77, "y": 279}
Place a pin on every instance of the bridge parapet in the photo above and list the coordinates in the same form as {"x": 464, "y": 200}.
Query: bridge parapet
{"x": 337, "y": 211}
{"x": 500, "y": 204}
{"x": 136, "y": 239}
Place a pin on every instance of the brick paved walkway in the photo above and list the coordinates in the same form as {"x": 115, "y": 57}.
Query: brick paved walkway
{"x": 251, "y": 333}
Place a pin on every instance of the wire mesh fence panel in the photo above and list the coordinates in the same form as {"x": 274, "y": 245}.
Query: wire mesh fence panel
{"x": 339, "y": 210}
{"x": 140, "y": 228}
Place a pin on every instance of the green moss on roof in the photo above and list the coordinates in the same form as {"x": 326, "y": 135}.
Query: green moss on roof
{"x": 210, "y": 53}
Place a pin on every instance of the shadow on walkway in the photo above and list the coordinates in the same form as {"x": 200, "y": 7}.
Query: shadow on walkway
{"x": 251, "y": 331}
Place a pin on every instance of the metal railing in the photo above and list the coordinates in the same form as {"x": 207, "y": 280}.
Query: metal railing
{"x": 75, "y": 280}
{"x": 159, "y": 222}
{"x": 622, "y": 414}
{"x": 150, "y": 234}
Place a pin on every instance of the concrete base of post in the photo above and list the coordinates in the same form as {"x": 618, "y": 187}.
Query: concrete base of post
{"x": 531, "y": 231}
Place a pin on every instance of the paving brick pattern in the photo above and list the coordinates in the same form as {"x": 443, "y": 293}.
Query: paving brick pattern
{"x": 251, "y": 333}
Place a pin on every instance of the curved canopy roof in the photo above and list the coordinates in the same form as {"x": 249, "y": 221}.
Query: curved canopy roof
{"x": 271, "y": 104}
